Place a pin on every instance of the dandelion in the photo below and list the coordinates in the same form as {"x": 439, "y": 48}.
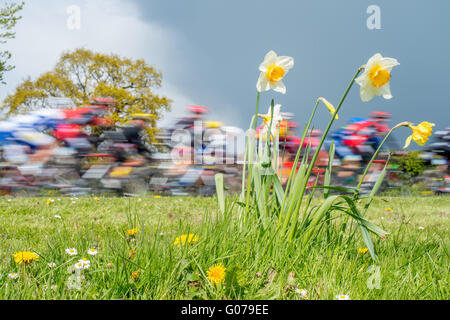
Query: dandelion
{"x": 72, "y": 252}
{"x": 273, "y": 69}
{"x": 25, "y": 257}
{"x": 181, "y": 240}
{"x": 135, "y": 275}
{"x": 13, "y": 275}
{"x": 132, "y": 232}
{"x": 342, "y": 297}
{"x": 51, "y": 264}
{"x": 362, "y": 250}
{"x": 131, "y": 253}
{"x": 216, "y": 274}
{"x": 49, "y": 201}
{"x": 388, "y": 209}
{"x": 375, "y": 79}
{"x": 96, "y": 199}
{"x": 157, "y": 197}
{"x": 420, "y": 134}
{"x": 329, "y": 106}
{"x": 109, "y": 265}
{"x": 92, "y": 252}
{"x": 302, "y": 292}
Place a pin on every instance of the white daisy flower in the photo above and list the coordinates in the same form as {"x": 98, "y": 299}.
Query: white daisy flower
{"x": 79, "y": 266}
{"x": 342, "y": 297}
{"x": 57, "y": 216}
{"x": 84, "y": 261}
{"x": 273, "y": 69}
{"x": 51, "y": 265}
{"x": 13, "y": 275}
{"x": 92, "y": 252}
{"x": 421, "y": 228}
{"x": 302, "y": 292}
{"x": 72, "y": 252}
{"x": 375, "y": 79}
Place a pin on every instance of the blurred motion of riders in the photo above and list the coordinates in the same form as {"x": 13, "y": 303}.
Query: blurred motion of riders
{"x": 62, "y": 149}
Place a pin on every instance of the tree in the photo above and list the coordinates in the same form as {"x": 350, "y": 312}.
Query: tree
{"x": 8, "y": 20}
{"x": 83, "y": 74}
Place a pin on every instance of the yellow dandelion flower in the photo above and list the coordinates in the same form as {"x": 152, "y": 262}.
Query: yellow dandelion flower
{"x": 135, "y": 275}
{"x": 132, "y": 232}
{"x": 362, "y": 251}
{"x": 420, "y": 134}
{"x": 181, "y": 240}
{"x": 157, "y": 197}
{"x": 25, "y": 257}
{"x": 216, "y": 274}
{"x": 131, "y": 253}
{"x": 49, "y": 201}
{"x": 388, "y": 209}
{"x": 96, "y": 199}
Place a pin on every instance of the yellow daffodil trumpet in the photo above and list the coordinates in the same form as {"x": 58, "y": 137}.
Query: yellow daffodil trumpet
{"x": 420, "y": 133}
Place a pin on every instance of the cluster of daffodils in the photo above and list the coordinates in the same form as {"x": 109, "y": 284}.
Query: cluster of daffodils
{"x": 374, "y": 81}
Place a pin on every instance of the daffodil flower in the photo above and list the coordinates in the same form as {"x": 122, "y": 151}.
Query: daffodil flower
{"x": 272, "y": 120}
{"x": 273, "y": 69}
{"x": 375, "y": 79}
{"x": 420, "y": 134}
{"x": 329, "y": 106}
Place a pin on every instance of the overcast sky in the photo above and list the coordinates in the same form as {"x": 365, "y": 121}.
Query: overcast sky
{"x": 209, "y": 51}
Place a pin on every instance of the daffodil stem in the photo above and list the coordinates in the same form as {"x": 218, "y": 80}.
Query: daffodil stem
{"x": 316, "y": 153}
{"x": 372, "y": 159}
{"x": 250, "y": 156}
{"x": 294, "y": 170}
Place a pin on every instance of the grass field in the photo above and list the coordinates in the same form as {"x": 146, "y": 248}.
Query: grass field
{"x": 413, "y": 259}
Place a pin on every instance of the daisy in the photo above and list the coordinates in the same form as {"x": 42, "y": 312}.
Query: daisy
{"x": 273, "y": 69}
{"x": 375, "y": 79}
{"x": 57, "y": 216}
{"x": 13, "y": 275}
{"x": 302, "y": 292}
{"x": 51, "y": 264}
{"x": 92, "y": 252}
{"x": 72, "y": 252}
{"x": 342, "y": 297}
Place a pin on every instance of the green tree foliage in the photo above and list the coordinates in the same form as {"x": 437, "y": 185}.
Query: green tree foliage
{"x": 8, "y": 19}
{"x": 411, "y": 164}
{"x": 83, "y": 74}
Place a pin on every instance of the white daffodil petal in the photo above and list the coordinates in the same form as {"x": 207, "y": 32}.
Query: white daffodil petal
{"x": 388, "y": 63}
{"x": 269, "y": 59}
{"x": 285, "y": 62}
{"x": 278, "y": 86}
{"x": 366, "y": 93}
{"x": 263, "y": 83}
{"x": 385, "y": 91}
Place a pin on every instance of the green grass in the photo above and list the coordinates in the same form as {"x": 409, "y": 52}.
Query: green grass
{"x": 413, "y": 262}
